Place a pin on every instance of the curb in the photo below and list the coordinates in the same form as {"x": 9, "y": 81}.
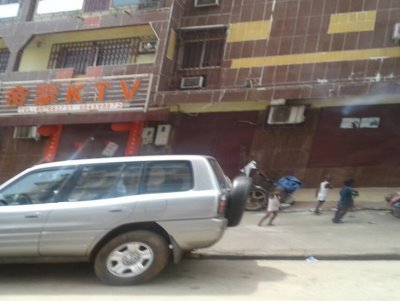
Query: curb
{"x": 328, "y": 210}
{"x": 313, "y": 258}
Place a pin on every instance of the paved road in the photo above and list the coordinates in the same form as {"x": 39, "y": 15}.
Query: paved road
{"x": 211, "y": 280}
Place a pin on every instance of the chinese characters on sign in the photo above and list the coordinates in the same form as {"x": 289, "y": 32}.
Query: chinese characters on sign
{"x": 47, "y": 93}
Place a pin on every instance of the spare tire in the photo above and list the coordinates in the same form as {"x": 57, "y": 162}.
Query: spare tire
{"x": 241, "y": 186}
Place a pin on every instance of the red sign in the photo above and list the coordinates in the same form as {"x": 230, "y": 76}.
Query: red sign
{"x": 78, "y": 94}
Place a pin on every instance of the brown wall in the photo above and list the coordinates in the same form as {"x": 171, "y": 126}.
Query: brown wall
{"x": 300, "y": 27}
{"x": 17, "y": 154}
{"x": 320, "y": 147}
{"x": 226, "y": 136}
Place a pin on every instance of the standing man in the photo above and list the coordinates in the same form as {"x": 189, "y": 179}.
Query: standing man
{"x": 322, "y": 193}
{"x": 346, "y": 200}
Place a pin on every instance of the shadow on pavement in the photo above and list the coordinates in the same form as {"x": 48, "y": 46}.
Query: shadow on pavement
{"x": 190, "y": 277}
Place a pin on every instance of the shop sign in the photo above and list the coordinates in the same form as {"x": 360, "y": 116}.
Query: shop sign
{"x": 74, "y": 96}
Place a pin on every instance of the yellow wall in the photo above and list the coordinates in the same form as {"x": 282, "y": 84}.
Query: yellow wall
{"x": 315, "y": 57}
{"x": 249, "y": 31}
{"x": 352, "y": 22}
{"x": 37, "y": 53}
{"x": 2, "y": 44}
{"x": 171, "y": 45}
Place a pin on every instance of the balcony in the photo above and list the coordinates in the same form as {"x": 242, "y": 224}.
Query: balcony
{"x": 9, "y": 10}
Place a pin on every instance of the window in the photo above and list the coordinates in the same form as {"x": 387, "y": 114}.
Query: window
{"x": 167, "y": 177}
{"x": 202, "y": 49}
{"x": 129, "y": 181}
{"x": 95, "y": 182}
{"x": 224, "y": 181}
{"x": 4, "y": 55}
{"x": 96, "y": 5}
{"x": 37, "y": 187}
{"x": 96, "y": 53}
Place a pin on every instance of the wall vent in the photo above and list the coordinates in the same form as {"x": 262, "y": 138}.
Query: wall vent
{"x": 194, "y": 82}
{"x": 205, "y": 3}
{"x": 286, "y": 115}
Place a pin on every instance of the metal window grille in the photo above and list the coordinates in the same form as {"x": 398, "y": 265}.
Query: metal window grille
{"x": 202, "y": 49}
{"x": 139, "y": 3}
{"x": 95, "y": 53}
{"x": 96, "y": 5}
{"x": 4, "y": 55}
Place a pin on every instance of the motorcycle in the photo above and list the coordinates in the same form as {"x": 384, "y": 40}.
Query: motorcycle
{"x": 258, "y": 197}
{"x": 393, "y": 200}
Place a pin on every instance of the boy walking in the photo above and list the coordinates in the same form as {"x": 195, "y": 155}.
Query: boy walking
{"x": 346, "y": 200}
{"x": 322, "y": 193}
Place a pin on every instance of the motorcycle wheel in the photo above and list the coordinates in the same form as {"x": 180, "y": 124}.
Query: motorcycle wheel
{"x": 256, "y": 200}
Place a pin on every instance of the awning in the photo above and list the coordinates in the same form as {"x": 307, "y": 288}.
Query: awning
{"x": 156, "y": 114}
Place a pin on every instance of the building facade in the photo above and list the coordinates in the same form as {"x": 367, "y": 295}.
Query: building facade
{"x": 305, "y": 87}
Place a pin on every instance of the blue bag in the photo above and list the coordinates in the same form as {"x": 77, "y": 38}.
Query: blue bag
{"x": 289, "y": 183}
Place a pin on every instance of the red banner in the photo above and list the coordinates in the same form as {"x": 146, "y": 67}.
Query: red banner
{"x": 134, "y": 138}
{"x": 54, "y": 134}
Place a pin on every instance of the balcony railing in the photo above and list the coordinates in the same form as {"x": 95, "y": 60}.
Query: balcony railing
{"x": 4, "y": 55}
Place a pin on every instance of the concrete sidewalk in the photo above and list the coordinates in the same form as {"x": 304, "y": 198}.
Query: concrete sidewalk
{"x": 369, "y": 198}
{"x": 370, "y": 231}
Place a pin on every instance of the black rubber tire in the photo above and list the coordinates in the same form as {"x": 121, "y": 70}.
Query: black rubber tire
{"x": 241, "y": 186}
{"x": 156, "y": 243}
{"x": 257, "y": 200}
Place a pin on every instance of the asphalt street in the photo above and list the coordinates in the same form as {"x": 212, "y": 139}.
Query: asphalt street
{"x": 211, "y": 280}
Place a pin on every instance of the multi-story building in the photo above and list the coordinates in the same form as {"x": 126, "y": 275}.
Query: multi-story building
{"x": 305, "y": 87}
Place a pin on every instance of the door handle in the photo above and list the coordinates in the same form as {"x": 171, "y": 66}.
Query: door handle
{"x": 116, "y": 210}
{"x": 32, "y": 215}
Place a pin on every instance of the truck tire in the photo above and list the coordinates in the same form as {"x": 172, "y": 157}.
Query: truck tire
{"x": 257, "y": 199}
{"x": 241, "y": 186}
{"x": 131, "y": 258}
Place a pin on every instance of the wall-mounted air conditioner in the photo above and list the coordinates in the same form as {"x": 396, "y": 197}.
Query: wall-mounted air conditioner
{"x": 286, "y": 115}
{"x": 396, "y": 33}
{"x": 26, "y": 132}
{"x": 193, "y": 82}
{"x": 148, "y": 135}
{"x": 147, "y": 46}
{"x": 162, "y": 135}
{"x": 205, "y": 3}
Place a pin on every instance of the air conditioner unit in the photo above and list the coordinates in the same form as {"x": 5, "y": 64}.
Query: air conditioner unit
{"x": 162, "y": 135}
{"x": 148, "y": 46}
{"x": 286, "y": 115}
{"x": 26, "y": 132}
{"x": 193, "y": 82}
{"x": 396, "y": 33}
{"x": 148, "y": 135}
{"x": 205, "y": 3}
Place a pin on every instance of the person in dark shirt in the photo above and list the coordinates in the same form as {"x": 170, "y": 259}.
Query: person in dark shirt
{"x": 346, "y": 200}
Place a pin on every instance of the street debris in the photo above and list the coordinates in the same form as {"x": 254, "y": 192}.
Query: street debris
{"x": 311, "y": 259}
